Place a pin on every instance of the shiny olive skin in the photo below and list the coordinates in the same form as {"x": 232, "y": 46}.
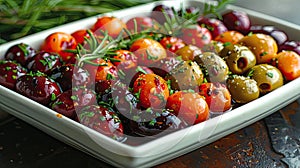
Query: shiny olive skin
{"x": 268, "y": 77}
{"x": 215, "y": 67}
{"x": 238, "y": 58}
{"x": 185, "y": 75}
{"x": 242, "y": 89}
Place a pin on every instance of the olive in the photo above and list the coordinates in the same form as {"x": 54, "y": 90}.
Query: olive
{"x": 216, "y": 69}
{"x": 267, "y": 77}
{"x": 188, "y": 52}
{"x": 242, "y": 89}
{"x": 237, "y": 20}
{"x": 238, "y": 58}
{"x": 185, "y": 75}
{"x": 213, "y": 46}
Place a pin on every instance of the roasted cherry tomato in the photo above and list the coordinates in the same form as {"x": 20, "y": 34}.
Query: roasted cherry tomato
{"x": 101, "y": 119}
{"x": 38, "y": 87}
{"x": 148, "y": 51}
{"x": 196, "y": 35}
{"x": 151, "y": 91}
{"x": 80, "y": 35}
{"x": 124, "y": 59}
{"x": 288, "y": 62}
{"x": 59, "y": 42}
{"x": 9, "y": 73}
{"x": 44, "y": 62}
{"x": 263, "y": 46}
{"x": 140, "y": 24}
{"x": 188, "y": 106}
{"x": 171, "y": 43}
{"x": 20, "y": 53}
{"x": 217, "y": 96}
{"x": 112, "y": 25}
{"x": 230, "y": 37}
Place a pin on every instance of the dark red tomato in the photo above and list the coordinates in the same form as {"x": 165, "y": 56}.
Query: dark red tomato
{"x": 9, "y": 73}
{"x": 44, "y": 62}
{"x": 102, "y": 120}
{"x": 217, "y": 96}
{"x": 38, "y": 88}
{"x": 125, "y": 59}
{"x": 148, "y": 51}
{"x": 279, "y": 36}
{"x": 80, "y": 35}
{"x": 20, "y": 53}
{"x": 151, "y": 90}
{"x": 112, "y": 25}
{"x": 160, "y": 12}
{"x": 70, "y": 102}
{"x": 141, "y": 23}
{"x": 215, "y": 26}
{"x": 290, "y": 46}
{"x": 102, "y": 70}
{"x": 188, "y": 106}
{"x": 128, "y": 76}
{"x": 165, "y": 66}
{"x": 197, "y": 36}
{"x": 69, "y": 75}
{"x": 59, "y": 42}
{"x": 237, "y": 20}
{"x": 172, "y": 44}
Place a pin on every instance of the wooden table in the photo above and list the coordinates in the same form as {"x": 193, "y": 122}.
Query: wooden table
{"x": 258, "y": 145}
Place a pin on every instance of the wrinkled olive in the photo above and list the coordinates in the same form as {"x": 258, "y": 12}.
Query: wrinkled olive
{"x": 238, "y": 58}
{"x": 242, "y": 89}
{"x": 185, "y": 75}
{"x": 216, "y": 69}
{"x": 267, "y": 77}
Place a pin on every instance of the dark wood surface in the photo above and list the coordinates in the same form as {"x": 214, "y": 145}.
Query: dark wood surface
{"x": 271, "y": 142}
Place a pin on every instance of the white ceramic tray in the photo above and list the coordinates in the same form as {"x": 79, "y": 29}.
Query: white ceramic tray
{"x": 157, "y": 150}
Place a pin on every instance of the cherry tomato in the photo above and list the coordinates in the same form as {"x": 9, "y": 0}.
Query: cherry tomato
{"x": 151, "y": 90}
{"x": 125, "y": 59}
{"x": 142, "y": 23}
{"x": 79, "y": 35}
{"x": 263, "y": 46}
{"x": 112, "y": 25}
{"x": 217, "y": 96}
{"x": 189, "y": 106}
{"x": 230, "y": 36}
{"x": 148, "y": 51}
{"x": 9, "y": 73}
{"x": 171, "y": 43}
{"x": 288, "y": 62}
{"x": 59, "y": 42}
{"x": 197, "y": 36}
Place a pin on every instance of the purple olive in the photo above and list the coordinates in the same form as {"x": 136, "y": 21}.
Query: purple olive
{"x": 291, "y": 46}
{"x": 159, "y": 11}
{"x": 237, "y": 20}
{"x": 215, "y": 26}
{"x": 279, "y": 36}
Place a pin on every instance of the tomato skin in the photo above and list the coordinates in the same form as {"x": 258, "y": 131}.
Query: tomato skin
{"x": 58, "y": 42}
{"x": 152, "y": 91}
{"x": 104, "y": 70}
{"x": 143, "y": 23}
{"x": 148, "y": 51}
{"x": 189, "y": 106}
{"x": 79, "y": 35}
{"x": 197, "y": 36}
{"x": 263, "y": 46}
{"x": 112, "y": 25}
{"x": 172, "y": 43}
{"x": 217, "y": 96}
{"x": 126, "y": 59}
{"x": 288, "y": 62}
{"x": 230, "y": 36}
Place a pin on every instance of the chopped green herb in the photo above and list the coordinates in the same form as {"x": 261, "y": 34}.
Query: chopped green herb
{"x": 263, "y": 53}
{"x": 270, "y": 74}
{"x": 53, "y": 96}
{"x": 74, "y": 97}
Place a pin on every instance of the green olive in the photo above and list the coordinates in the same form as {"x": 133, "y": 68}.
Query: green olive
{"x": 267, "y": 77}
{"x": 238, "y": 58}
{"x": 213, "y": 46}
{"x": 216, "y": 69}
{"x": 185, "y": 75}
{"x": 242, "y": 89}
{"x": 188, "y": 52}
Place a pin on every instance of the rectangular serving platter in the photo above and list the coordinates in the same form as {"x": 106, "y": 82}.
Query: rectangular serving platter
{"x": 161, "y": 149}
